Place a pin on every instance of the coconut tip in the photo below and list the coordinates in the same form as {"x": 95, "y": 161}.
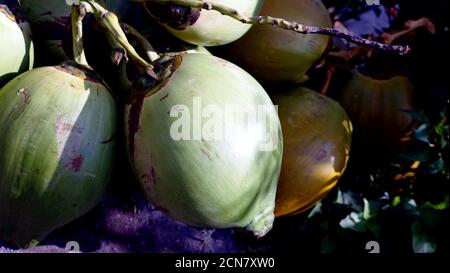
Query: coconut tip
{"x": 262, "y": 223}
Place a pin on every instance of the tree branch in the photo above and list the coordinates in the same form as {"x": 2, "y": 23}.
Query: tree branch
{"x": 282, "y": 23}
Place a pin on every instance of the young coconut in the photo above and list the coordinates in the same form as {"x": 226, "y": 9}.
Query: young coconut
{"x": 317, "y": 137}
{"x": 274, "y": 55}
{"x": 16, "y": 46}
{"x": 375, "y": 108}
{"x": 57, "y": 134}
{"x": 204, "y": 27}
{"x": 216, "y": 173}
{"x": 50, "y": 19}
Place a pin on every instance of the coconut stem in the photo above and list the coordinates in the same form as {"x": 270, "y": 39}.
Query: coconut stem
{"x": 144, "y": 43}
{"x": 77, "y": 15}
{"x": 120, "y": 59}
{"x": 330, "y": 71}
{"x": 110, "y": 23}
{"x": 282, "y": 23}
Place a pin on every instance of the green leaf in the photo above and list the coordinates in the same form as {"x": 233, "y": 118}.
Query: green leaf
{"x": 371, "y": 208}
{"x": 441, "y": 206}
{"x": 437, "y": 166}
{"x": 419, "y": 151}
{"x": 366, "y": 211}
{"x": 430, "y": 217}
{"x": 316, "y": 210}
{"x": 408, "y": 206}
{"x": 422, "y": 241}
{"x": 339, "y": 198}
{"x": 396, "y": 201}
{"x": 349, "y": 198}
{"x": 417, "y": 116}
{"x": 443, "y": 133}
{"x": 423, "y": 133}
{"x": 354, "y": 221}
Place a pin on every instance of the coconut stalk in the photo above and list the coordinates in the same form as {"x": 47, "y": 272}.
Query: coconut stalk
{"x": 111, "y": 25}
{"x": 77, "y": 15}
{"x": 282, "y": 23}
{"x": 143, "y": 42}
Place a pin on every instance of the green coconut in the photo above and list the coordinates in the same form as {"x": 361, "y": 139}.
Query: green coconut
{"x": 206, "y": 27}
{"x": 211, "y": 176}
{"x": 50, "y": 19}
{"x": 273, "y": 55}
{"x": 57, "y": 134}
{"x": 16, "y": 46}
{"x": 377, "y": 109}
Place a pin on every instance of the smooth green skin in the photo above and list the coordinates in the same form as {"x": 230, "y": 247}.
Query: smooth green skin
{"x": 273, "y": 55}
{"x": 214, "y": 29}
{"x": 55, "y": 158}
{"x": 16, "y": 47}
{"x": 204, "y": 183}
{"x": 199, "y": 49}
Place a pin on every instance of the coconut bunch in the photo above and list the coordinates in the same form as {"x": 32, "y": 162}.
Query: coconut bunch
{"x": 203, "y": 137}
